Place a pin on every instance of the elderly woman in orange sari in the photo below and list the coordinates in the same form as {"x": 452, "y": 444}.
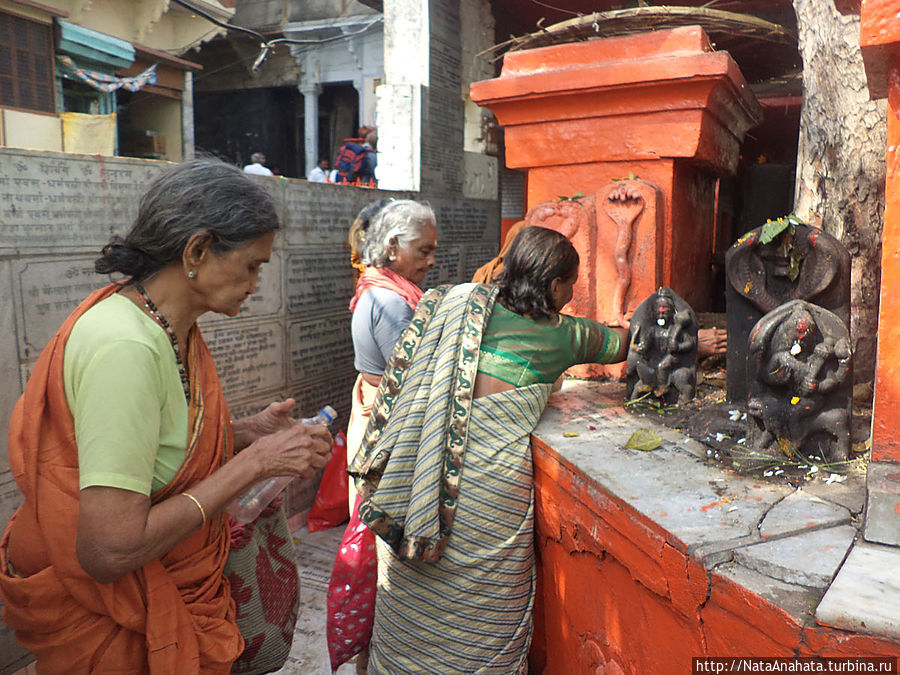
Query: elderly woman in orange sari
{"x": 122, "y": 445}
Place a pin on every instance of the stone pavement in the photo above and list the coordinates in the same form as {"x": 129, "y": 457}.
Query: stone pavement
{"x": 309, "y": 653}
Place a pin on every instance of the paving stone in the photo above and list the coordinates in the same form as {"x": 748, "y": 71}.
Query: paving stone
{"x": 849, "y": 493}
{"x": 865, "y": 594}
{"x": 309, "y": 651}
{"x": 883, "y": 507}
{"x": 798, "y": 601}
{"x": 800, "y": 511}
{"x": 808, "y": 559}
{"x": 718, "y": 552}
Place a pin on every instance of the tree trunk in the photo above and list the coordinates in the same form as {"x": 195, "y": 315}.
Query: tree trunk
{"x": 840, "y": 160}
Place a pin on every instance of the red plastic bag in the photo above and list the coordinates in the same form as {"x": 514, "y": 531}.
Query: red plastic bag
{"x": 330, "y": 506}
{"x": 351, "y": 592}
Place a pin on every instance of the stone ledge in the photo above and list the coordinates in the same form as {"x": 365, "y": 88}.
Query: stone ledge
{"x": 786, "y": 544}
{"x": 865, "y": 595}
{"x": 883, "y": 504}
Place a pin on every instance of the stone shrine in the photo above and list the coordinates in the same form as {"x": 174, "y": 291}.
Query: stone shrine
{"x": 642, "y": 125}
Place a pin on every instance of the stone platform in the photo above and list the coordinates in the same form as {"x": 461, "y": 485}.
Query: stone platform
{"x": 651, "y": 558}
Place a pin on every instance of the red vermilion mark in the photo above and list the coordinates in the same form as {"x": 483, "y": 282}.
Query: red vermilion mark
{"x": 897, "y": 507}
{"x": 709, "y": 506}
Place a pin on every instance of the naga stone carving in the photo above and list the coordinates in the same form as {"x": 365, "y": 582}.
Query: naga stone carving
{"x": 618, "y": 232}
{"x": 662, "y": 352}
{"x": 624, "y": 205}
{"x": 799, "y": 263}
{"x": 800, "y": 382}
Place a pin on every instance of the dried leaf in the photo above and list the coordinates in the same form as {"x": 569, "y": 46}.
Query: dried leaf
{"x": 644, "y": 439}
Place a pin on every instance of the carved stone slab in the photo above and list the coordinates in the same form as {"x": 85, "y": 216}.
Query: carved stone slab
{"x": 800, "y": 380}
{"x": 618, "y": 234}
{"x": 759, "y": 279}
{"x": 52, "y": 202}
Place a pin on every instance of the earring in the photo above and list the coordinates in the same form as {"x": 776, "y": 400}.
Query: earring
{"x": 392, "y": 258}
{"x": 192, "y": 274}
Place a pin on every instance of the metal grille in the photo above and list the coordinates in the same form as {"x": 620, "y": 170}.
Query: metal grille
{"x": 26, "y": 64}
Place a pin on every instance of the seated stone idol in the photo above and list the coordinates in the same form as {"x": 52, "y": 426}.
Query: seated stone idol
{"x": 781, "y": 261}
{"x": 662, "y": 353}
{"x": 800, "y": 382}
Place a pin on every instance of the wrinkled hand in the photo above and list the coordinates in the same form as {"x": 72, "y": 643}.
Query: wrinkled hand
{"x": 275, "y": 417}
{"x": 711, "y": 341}
{"x": 298, "y": 450}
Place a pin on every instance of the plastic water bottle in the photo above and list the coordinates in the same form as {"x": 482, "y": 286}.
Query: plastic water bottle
{"x": 249, "y": 505}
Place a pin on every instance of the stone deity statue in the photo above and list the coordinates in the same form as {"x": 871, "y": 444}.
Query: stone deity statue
{"x": 800, "y": 382}
{"x": 662, "y": 353}
{"x": 764, "y": 271}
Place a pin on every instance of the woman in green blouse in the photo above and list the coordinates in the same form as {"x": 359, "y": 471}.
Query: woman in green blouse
{"x": 445, "y": 468}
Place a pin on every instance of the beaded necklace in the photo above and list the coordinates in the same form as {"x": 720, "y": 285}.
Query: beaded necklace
{"x": 161, "y": 320}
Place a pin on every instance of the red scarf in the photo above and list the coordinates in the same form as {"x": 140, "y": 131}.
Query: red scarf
{"x": 382, "y": 277}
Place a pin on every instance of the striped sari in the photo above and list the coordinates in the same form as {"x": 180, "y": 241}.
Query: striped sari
{"x": 447, "y": 482}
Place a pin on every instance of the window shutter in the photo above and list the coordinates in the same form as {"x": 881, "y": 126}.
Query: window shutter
{"x": 26, "y": 64}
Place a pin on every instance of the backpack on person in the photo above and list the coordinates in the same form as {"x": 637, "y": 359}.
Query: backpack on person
{"x": 355, "y": 162}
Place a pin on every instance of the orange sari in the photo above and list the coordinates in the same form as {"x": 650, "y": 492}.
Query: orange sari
{"x": 175, "y": 614}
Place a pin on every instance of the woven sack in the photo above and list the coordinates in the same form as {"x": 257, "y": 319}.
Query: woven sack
{"x": 262, "y": 571}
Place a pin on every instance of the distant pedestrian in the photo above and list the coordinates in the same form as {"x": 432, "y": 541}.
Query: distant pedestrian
{"x": 257, "y": 165}
{"x": 319, "y": 174}
{"x": 356, "y": 159}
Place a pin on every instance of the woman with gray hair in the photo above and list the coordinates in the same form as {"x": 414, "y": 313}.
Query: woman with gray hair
{"x": 398, "y": 251}
{"x": 123, "y": 446}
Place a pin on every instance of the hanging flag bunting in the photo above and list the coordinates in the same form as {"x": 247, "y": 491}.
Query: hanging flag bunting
{"x": 104, "y": 81}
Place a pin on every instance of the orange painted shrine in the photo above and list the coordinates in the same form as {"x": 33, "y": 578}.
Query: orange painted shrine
{"x": 660, "y": 107}
{"x": 880, "y": 42}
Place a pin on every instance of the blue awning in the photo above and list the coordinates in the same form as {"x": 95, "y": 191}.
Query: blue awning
{"x": 93, "y": 49}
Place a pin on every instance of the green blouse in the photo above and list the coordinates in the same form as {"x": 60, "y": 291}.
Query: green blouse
{"x": 522, "y": 351}
{"x": 126, "y": 398}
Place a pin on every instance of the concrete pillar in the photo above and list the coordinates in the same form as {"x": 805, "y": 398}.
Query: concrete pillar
{"x": 361, "y": 98}
{"x": 311, "y": 125}
{"x": 879, "y": 38}
{"x": 187, "y": 116}
{"x": 398, "y": 112}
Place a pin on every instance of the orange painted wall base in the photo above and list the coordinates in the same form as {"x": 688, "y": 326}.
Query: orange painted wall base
{"x": 618, "y": 595}
{"x": 880, "y": 43}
